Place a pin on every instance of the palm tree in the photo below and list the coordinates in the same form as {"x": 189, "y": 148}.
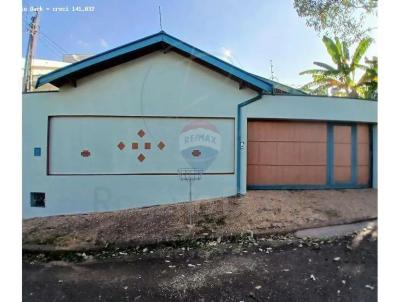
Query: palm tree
{"x": 368, "y": 82}
{"x": 338, "y": 80}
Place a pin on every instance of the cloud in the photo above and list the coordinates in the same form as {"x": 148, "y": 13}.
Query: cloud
{"x": 82, "y": 44}
{"x": 226, "y": 54}
{"x": 103, "y": 43}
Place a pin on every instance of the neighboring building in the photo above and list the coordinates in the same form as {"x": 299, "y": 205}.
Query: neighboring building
{"x": 124, "y": 121}
{"x": 41, "y": 67}
{"x": 73, "y": 58}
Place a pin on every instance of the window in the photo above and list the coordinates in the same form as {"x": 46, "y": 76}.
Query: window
{"x": 37, "y": 151}
{"x": 38, "y": 199}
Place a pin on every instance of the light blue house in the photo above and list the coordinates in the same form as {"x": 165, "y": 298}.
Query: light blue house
{"x": 124, "y": 121}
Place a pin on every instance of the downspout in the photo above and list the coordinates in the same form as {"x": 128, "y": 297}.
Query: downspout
{"x": 239, "y": 137}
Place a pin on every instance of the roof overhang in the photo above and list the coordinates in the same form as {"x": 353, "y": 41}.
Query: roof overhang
{"x": 159, "y": 41}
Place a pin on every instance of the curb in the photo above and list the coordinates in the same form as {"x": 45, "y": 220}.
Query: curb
{"x": 176, "y": 242}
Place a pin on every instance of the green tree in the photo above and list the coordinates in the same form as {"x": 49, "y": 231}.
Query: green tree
{"x": 368, "y": 83}
{"x": 340, "y": 80}
{"x": 344, "y": 19}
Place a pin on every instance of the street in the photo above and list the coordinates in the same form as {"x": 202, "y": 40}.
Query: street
{"x": 255, "y": 270}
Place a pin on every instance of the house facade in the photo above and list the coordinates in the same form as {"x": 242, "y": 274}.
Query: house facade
{"x": 123, "y": 122}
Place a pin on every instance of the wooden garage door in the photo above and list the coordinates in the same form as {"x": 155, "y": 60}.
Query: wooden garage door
{"x": 351, "y": 154}
{"x": 286, "y": 153}
{"x": 363, "y": 155}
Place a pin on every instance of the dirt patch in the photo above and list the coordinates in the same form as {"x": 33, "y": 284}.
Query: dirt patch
{"x": 259, "y": 212}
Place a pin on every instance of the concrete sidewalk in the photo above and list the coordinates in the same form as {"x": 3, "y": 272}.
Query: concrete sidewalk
{"x": 338, "y": 230}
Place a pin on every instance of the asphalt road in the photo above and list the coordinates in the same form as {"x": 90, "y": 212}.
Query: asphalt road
{"x": 308, "y": 271}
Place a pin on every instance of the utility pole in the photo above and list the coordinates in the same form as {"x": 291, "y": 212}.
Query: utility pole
{"x": 33, "y": 30}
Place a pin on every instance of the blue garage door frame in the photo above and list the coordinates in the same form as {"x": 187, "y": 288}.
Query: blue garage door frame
{"x": 331, "y": 184}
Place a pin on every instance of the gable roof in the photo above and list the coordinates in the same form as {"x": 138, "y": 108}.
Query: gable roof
{"x": 159, "y": 41}
{"x": 282, "y": 87}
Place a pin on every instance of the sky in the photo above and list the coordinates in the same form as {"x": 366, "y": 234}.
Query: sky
{"x": 249, "y": 34}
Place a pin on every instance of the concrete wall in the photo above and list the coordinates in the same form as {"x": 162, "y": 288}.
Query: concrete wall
{"x": 304, "y": 108}
{"x": 156, "y": 85}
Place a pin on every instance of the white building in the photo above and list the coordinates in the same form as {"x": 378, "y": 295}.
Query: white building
{"x": 124, "y": 121}
{"x": 41, "y": 67}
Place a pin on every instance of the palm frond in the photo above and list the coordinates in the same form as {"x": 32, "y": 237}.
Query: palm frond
{"x": 339, "y": 48}
{"x": 345, "y": 51}
{"x": 361, "y": 66}
{"x": 360, "y": 51}
{"x": 317, "y": 90}
{"x": 319, "y": 72}
{"x": 332, "y": 50}
{"x": 312, "y": 71}
{"x": 324, "y": 65}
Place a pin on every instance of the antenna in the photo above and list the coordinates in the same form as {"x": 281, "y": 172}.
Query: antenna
{"x": 272, "y": 70}
{"x": 159, "y": 13}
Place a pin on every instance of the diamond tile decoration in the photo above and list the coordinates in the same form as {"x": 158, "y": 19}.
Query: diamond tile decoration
{"x": 85, "y": 153}
{"x": 121, "y": 145}
{"x": 161, "y": 145}
{"x": 135, "y": 146}
{"x": 141, "y": 157}
{"x": 141, "y": 133}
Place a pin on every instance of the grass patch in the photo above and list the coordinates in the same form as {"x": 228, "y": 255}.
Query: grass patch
{"x": 331, "y": 213}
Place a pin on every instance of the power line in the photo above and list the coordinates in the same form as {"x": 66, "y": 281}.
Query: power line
{"x": 45, "y": 36}
{"x": 52, "y": 41}
{"x": 50, "y": 46}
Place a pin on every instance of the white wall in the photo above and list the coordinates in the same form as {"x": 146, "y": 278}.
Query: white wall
{"x": 155, "y": 85}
